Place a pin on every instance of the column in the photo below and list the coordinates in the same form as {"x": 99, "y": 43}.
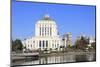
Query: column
{"x": 37, "y": 45}
{"x": 49, "y": 30}
{"x": 44, "y": 44}
{"x": 41, "y": 44}
{"x": 44, "y": 30}
{"x": 41, "y": 30}
{"x": 50, "y": 43}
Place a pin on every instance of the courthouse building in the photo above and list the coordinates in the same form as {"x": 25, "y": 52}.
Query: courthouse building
{"x": 46, "y": 36}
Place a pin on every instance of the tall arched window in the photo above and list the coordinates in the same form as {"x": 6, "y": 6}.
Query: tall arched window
{"x": 52, "y": 45}
{"x": 40, "y": 44}
{"x": 46, "y": 43}
{"x": 31, "y": 45}
{"x": 43, "y": 31}
{"x": 43, "y": 44}
{"x": 40, "y": 31}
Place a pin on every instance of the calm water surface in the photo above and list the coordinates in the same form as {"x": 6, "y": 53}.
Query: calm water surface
{"x": 58, "y": 59}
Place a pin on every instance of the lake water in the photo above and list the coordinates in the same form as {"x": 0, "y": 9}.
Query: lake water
{"x": 58, "y": 59}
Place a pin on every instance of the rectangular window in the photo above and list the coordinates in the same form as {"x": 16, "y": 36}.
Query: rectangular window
{"x": 46, "y": 43}
{"x": 45, "y": 31}
{"x": 28, "y": 45}
{"x": 50, "y": 31}
{"x": 40, "y": 31}
{"x": 55, "y": 45}
{"x": 43, "y": 44}
{"x": 33, "y": 41}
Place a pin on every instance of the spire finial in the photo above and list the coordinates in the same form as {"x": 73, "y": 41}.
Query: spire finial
{"x": 46, "y": 16}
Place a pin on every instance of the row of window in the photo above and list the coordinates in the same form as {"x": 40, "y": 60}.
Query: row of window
{"x": 43, "y": 43}
{"x": 30, "y": 45}
{"x": 44, "y": 31}
{"x": 31, "y": 41}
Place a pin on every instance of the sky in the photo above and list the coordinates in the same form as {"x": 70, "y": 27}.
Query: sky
{"x": 77, "y": 19}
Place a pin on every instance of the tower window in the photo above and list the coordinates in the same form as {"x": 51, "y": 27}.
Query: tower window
{"x": 33, "y": 41}
{"x": 40, "y": 31}
{"x": 50, "y": 31}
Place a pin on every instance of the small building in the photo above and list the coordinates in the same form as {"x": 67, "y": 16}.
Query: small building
{"x": 67, "y": 39}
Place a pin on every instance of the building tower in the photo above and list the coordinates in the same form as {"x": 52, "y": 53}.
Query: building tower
{"x": 64, "y": 39}
{"x": 46, "y": 27}
{"x": 69, "y": 39}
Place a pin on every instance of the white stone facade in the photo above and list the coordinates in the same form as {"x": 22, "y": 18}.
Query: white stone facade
{"x": 46, "y": 36}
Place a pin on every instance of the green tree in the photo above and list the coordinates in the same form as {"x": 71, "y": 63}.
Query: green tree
{"x": 81, "y": 43}
{"x": 17, "y": 45}
{"x": 69, "y": 46}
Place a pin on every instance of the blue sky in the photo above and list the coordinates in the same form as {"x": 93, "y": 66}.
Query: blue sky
{"x": 76, "y": 19}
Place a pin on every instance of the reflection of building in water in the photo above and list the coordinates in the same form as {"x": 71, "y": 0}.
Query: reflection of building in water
{"x": 46, "y": 36}
{"x": 62, "y": 58}
{"x": 55, "y": 59}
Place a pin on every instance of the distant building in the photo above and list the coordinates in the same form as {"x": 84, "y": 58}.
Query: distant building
{"x": 67, "y": 39}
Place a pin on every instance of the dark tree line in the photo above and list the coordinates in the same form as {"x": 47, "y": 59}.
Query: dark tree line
{"x": 16, "y": 45}
{"x": 81, "y": 43}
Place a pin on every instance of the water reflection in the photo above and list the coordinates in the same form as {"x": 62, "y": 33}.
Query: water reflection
{"x": 61, "y": 59}
{"x": 57, "y": 59}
